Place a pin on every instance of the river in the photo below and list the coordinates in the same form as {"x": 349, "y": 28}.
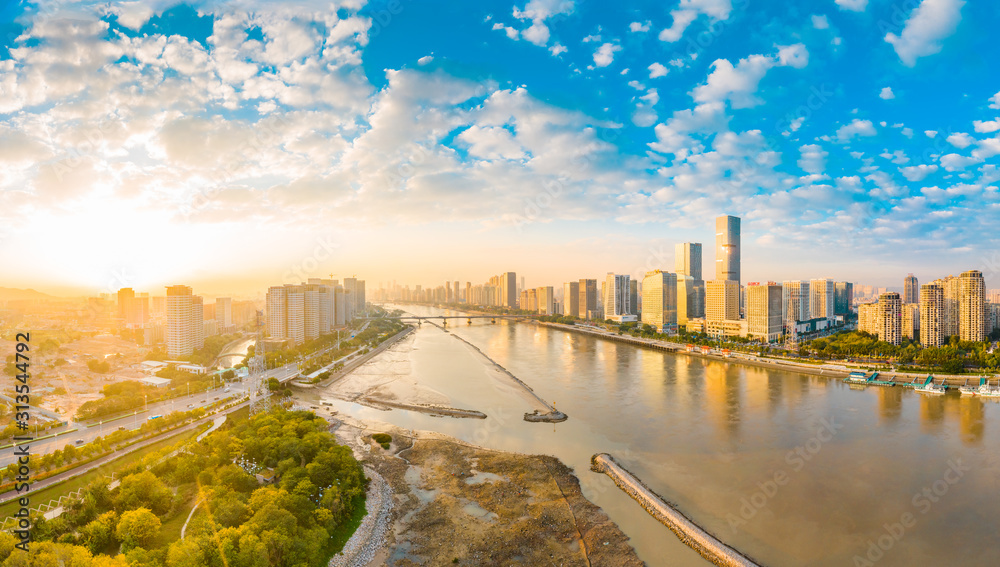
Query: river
{"x": 788, "y": 468}
{"x": 235, "y": 353}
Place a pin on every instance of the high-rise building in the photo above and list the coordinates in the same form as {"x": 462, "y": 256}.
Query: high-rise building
{"x": 468, "y": 292}
{"x": 951, "y": 315}
{"x": 617, "y": 299}
{"x": 889, "y": 318}
{"x": 633, "y": 297}
{"x": 931, "y": 315}
{"x": 868, "y": 318}
{"x": 764, "y": 318}
{"x": 546, "y": 300}
{"x": 571, "y": 299}
{"x": 687, "y": 259}
{"x": 911, "y": 321}
{"x": 843, "y": 298}
{"x": 224, "y": 313}
{"x": 588, "y": 298}
{"x": 722, "y": 300}
{"x": 972, "y": 306}
{"x": 794, "y": 302}
{"x": 185, "y": 321}
{"x": 911, "y": 290}
{"x": 133, "y": 311}
{"x": 659, "y": 300}
{"x": 727, "y": 248}
{"x": 821, "y": 298}
{"x": 508, "y": 289}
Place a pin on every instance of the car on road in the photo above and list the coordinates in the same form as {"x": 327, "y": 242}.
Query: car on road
{"x": 78, "y": 442}
{"x": 190, "y": 405}
{"x": 121, "y": 428}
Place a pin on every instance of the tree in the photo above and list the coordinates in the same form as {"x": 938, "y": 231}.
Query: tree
{"x": 137, "y": 528}
{"x": 97, "y": 534}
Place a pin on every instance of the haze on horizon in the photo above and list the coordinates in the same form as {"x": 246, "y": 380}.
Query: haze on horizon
{"x": 220, "y": 145}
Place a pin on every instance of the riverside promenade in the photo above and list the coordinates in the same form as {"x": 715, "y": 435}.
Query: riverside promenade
{"x": 689, "y": 532}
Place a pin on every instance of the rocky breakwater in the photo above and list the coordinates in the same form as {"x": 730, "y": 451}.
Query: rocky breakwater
{"x": 690, "y": 533}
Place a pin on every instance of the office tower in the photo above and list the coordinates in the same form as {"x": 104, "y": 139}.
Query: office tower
{"x": 911, "y": 291}
{"x": 843, "y": 298}
{"x": 310, "y": 312}
{"x": 617, "y": 300}
{"x": 158, "y": 307}
{"x": 722, "y": 300}
{"x": 868, "y": 318}
{"x": 588, "y": 298}
{"x": 185, "y": 321}
{"x": 690, "y": 299}
{"x": 972, "y": 306}
{"x": 340, "y": 306}
{"x": 659, "y": 300}
{"x": 546, "y": 299}
{"x": 794, "y": 302}
{"x": 350, "y": 293}
{"x": 468, "y": 292}
{"x": 821, "y": 298}
{"x": 727, "y": 248}
{"x": 224, "y": 313}
{"x": 910, "y": 324}
{"x": 633, "y": 297}
{"x": 889, "y": 318}
{"x": 687, "y": 259}
{"x": 932, "y": 315}
{"x": 133, "y": 312}
{"x": 508, "y": 289}
{"x": 764, "y": 318}
{"x": 528, "y": 300}
{"x": 571, "y": 299}
{"x": 361, "y": 305}
{"x": 456, "y": 294}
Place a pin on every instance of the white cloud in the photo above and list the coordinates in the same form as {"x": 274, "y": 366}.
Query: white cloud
{"x": 986, "y": 126}
{"x": 886, "y": 94}
{"x": 928, "y": 26}
{"x": 813, "y": 158}
{"x": 930, "y": 133}
{"x": 557, "y": 49}
{"x": 918, "y": 172}
{"x": 995, "y": 101}
{"x": 497, "y": 26}
{"x": 605, "y": 54}
{"x": 855, "y": 128}
{"x": 738, "y": 84}
{"x": 853, "y": 5}
{"x": 960, "y": 140}
{"x": 689, "y": 10}
{"x": 425, "y": 59}
{"x": 636, "y": 27}
{"x": 657, "y": 70}
{"x": 537, "y": 12}
{"x": 820, "y": 22}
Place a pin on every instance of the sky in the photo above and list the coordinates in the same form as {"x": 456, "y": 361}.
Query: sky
{"x": 235, "y": 145}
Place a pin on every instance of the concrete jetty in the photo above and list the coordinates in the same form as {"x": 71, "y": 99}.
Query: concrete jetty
{"x": 689, "y": 532}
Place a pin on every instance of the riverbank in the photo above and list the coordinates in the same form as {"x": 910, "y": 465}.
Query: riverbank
{"x": 457, "y": 503}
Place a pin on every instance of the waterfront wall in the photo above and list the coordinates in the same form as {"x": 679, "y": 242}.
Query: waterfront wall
{"x": 689, "y": 532}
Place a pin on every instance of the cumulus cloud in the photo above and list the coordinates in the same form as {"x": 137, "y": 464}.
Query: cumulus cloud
{"x": 657, "y": 70}
{"x": 636, "y": 27}
{"x": 960, "y": 140}
{"x": 986, "y": 126}
{"x": 738, "y": 83}
{"x": 853, "y": 5}
{"x": 605, "y": 54}
{"x": 929, "y": 25}
{"x": 689, "y": 10}
{"x": 886, "y": 94}
{"x": 918, "y": 172}
{"x": 538, "y": 12}
{"x": 854, "y": 129}
{"x": 820, "y": 22}
{"x": 813, "y": 158}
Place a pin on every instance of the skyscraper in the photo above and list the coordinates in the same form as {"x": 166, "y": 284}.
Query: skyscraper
{"x": 659, "y": 300}
{"x": 843, "y": 298}
{"x": 821, "y": 298}
{"x": 722, "y": 300}
{"x": 911, "y": 290}
{"x": 571, "y": 299}
{"x": 546, "y": 299}
{"x": 911, "y": 321}
{"x": 617, "y": 300}
{"x": 185, "y": 321}
{"x": 224, "y": 313}
{"x": 508, "y": 289}
{"x": 764, "y": 311}
{"x": 588, "y": 298}
{"x": 690, "y": 299}
{"x": 931, "y": 315}
{"x": 727, "y": 248}
{"x": 687, "y": 259}
{"x": 633, "y": 297}
{"x": 889, "y": 318}
{"x": 794, "y": 302}
{"x": 133, "y": 311}
{"x": 972, "y": 306}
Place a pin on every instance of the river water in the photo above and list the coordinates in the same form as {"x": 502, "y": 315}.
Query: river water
{"x": 235, "y": 354}
{"x": 790, "y": 469}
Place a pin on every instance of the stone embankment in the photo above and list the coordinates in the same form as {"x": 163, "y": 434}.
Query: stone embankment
{"x": 371, "y": 534}
{"x": 551, "y": 416}
{"x": 689, "y": 532}
{"x": 424, "y": 408}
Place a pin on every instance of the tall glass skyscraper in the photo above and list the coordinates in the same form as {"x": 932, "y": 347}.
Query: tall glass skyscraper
{"x": 727, "y": 248}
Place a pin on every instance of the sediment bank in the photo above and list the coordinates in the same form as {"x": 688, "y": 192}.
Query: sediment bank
{"x": 551, "y": 416}
{"x": 423, "y": 408}
{"x": 689, "y": 532}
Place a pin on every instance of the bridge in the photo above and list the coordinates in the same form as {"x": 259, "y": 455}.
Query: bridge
{"x": 444, "y": 318}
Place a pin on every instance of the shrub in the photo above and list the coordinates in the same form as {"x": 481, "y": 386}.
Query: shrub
{"x": 382, "y": 438}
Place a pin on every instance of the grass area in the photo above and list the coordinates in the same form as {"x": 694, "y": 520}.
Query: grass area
{"x": 170, "y": 530}
{"x": 62, "y": 488}
{"x": 339, "y": 537}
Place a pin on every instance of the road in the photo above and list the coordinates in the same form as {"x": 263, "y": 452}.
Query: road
{"x": 88, "y": 434}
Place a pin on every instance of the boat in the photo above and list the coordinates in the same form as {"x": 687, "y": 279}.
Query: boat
{"x": 987, "y": 391}
{"x": 858, "y": 377}
{"x": 969, "y": 390}
{"x": 930, "y": 387}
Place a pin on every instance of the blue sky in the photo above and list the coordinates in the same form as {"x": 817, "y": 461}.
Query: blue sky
{"x": 215, "y": 142}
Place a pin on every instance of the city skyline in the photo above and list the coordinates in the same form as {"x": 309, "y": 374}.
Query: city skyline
{"x": 611, "y": 135}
